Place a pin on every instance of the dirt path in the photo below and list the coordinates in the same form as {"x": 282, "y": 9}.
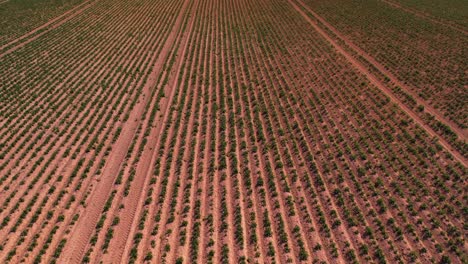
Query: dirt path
{"x": 120, "y": 246}
{"x": 157, "y": 44}
{"x": 374, "y": 80}
{"x": 331, "y": 111}
{"x": 80, "y": 155}
{"x": 426, "y": 16}
{"x": 289, "y": 79}
{"x": 79, "y": 239}
{"x": 85, "y": 226}
{"x": 461, "y": 133}
{"x": 171, "y": 88}
{"x": 36, "y": 33}
{"x": 68, "y": 165}
{"x": 55, "y": 142}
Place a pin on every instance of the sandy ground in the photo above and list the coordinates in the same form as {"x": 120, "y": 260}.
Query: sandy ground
{"x": 220, "y": 136}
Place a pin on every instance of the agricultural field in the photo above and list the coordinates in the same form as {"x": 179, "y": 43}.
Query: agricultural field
{"x": 454, "y": 12}
{"x": 421, "y": 59}
{"x": 20, "y": 17}
{"x": 236, "y": 131}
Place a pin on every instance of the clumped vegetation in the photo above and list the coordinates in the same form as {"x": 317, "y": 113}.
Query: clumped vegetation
{"x": 221, "y": 132}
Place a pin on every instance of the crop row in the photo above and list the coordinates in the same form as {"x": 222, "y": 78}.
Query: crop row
{"x": 85, "y": 158}
{"x": 19, "y": 17}
{"x": 213, "y": 132}
{"x": 409, "y": 46}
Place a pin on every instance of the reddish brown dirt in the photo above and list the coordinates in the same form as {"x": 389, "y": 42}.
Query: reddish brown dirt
{"x": 461, "y": 133}
{"x": 382, "y": 86}
{"x": 121, "y": 245}
{"x": 52, "y": 24}
{"x": 63, "y": 166}
{"x": 76, "y": 246}
{"x": 426, "y": 16}
{"x": 81, "y": 234}
{"x": 271, "y": 143}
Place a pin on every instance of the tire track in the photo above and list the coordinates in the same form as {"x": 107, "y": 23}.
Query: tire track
{"x": 57, "y": 142}
{"x": 120, "y": 245}
{"x": 85, "y": 226}
{"x": 426, "y": 16}
{"x": 461, "y": 133}
{"x": 68, "y": 166}
{"x": 379, "y": 83}
{"x": 182, "y": 39}
{"x": 36, "y": 33}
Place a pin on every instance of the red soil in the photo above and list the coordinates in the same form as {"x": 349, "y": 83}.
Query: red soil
{"x": 207, "y": 132}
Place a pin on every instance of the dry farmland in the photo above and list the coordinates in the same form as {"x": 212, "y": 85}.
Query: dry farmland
{"x": 233, "y": 131}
